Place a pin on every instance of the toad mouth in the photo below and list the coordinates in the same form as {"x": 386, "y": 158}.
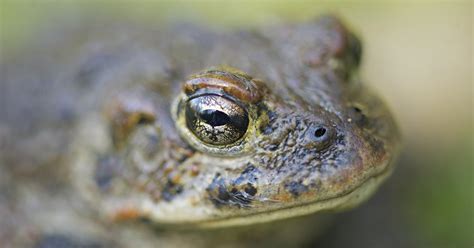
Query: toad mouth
{"x": 343, "y": 201}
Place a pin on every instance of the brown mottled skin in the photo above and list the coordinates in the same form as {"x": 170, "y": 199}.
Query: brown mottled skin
{"x": 99, "y": 134}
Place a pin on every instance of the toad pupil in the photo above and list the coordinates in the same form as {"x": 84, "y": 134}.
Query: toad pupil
{"x": 214, "y": 117}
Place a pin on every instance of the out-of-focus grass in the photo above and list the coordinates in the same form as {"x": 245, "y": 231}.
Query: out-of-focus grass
{"x": 441, "y": 205}
{"x": 418, "y": 54}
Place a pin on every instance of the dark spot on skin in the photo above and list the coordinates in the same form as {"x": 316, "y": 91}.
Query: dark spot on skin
{"x": 250, "y": 189}
{"x": 234, "y": 193}
{"x": 273, "y": 147}
{"x": 142, "y": 120}
{"x": 377, "y": 145}
{"x": 249, "y": 175}
{"x": 358, "y": 116}
{"x": 296, "y": 188}
{"x": 171, "y": 190}
{"x": 65, "y": 241}
{"x": 144, "y": 220}
{"x": 90, "y": 70}
{"x": 106, "y": 169}
{"x": 152, "y": 146}
{"x": 67, "y": 113}
{"x": 223, "y": 196}
{"x": 268, "y": 129}
{"x": 250, "y": 168}
{"x": 218, "y": 186}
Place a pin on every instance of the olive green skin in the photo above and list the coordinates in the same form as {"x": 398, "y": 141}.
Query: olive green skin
{"x": 110, "y": 111}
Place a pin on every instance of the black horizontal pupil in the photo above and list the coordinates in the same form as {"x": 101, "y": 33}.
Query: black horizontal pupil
{"x": 320, "y": 132}
{"x": 214, "y": 117}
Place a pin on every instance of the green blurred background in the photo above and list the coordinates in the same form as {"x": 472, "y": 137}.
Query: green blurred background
{"x": 417, "y": 54}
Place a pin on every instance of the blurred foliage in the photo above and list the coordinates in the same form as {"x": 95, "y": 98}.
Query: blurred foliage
{"x": 418, "y": 54}
{"x": 441, "y": 203}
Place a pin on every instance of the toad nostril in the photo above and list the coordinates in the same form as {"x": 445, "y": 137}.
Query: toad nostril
{"x": 319, "y": 137}
{"x": 320, "y": 132}
{"x": 357, "y": 109}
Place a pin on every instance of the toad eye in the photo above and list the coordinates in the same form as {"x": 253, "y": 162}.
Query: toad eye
{"x": 216, "y": 120}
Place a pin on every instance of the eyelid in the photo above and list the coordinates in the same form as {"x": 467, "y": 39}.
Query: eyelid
{"x": 230, "y": 81}
{"x": 212, "y": 92}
